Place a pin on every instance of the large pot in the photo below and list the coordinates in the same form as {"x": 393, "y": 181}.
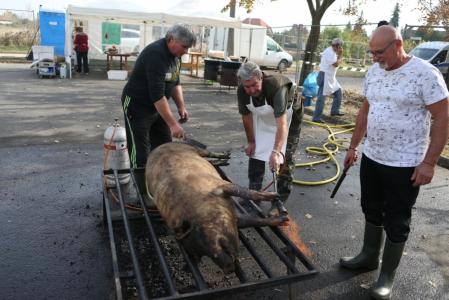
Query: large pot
{"x": 229, "y": 73}
{"x": 211, "y": 69}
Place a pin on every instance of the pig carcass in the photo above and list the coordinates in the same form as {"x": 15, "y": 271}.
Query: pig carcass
{"x": 196, "y": 202}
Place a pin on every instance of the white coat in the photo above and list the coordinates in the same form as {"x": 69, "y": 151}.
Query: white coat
{"x": 328, "y": 58}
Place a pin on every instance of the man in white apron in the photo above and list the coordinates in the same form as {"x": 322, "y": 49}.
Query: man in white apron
{"x": 272, "y": 120}
{"x": 327, "y": 80}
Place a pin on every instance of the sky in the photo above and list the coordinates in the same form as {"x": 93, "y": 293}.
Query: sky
{"x": 276, "y": 14}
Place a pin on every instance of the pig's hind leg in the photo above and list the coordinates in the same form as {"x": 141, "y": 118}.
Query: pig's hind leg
{"x": 245, "y": 193}
{"x": 208, "y": 154}
{"x": 244, "y": 221}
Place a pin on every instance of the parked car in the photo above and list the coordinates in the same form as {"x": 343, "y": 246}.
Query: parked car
{"x": 437, "y": 53}
{"x": 129, "y": 41}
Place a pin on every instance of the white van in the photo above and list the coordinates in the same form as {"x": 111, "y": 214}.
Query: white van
{"x": 250, "y": 42}
{"x": 253, "y": 43}
{"x": 275, "y": 56}
{"x": 433, "y": 52}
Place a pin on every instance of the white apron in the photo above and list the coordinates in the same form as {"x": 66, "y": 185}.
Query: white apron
{"x": 331, "y": 84}
{"x": 264, "y": 126}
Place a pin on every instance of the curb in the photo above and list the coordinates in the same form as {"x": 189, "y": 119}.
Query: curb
{"x": 353, "y": 69}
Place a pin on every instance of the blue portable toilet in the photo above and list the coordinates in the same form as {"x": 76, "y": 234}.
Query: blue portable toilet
{"x": 52, "y": 27}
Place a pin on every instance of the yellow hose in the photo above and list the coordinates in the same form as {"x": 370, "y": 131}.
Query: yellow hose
{"x": 326, "y": 151}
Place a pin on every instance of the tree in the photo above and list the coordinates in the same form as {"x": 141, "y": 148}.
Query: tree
{"x": 317, "y": 9}
{"x": 435, "y": 13}
{"x": 358, "y": 30}
{"x": 394, "y": 21}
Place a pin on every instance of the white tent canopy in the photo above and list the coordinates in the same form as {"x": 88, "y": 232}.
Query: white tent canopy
{"x": 142, "y": 27}
{"x": 140, "y": 17}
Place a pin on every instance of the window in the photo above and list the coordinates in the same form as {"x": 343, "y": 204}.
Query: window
{"x": 440, "y": 58}
{"x": 272, "y": 45}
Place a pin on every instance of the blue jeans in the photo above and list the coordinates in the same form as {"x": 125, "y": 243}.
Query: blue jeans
{"x": 319, "y": 106}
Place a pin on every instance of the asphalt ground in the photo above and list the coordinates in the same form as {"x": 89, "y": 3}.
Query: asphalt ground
{"x": 54, "y": 245}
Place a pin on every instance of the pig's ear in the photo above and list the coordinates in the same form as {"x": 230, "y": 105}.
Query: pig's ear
{"x": 183, "y": 230}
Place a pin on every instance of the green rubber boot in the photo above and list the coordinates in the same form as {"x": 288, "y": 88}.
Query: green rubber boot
{"x": 368, "y": 258}
{"x": 390, "y": 262}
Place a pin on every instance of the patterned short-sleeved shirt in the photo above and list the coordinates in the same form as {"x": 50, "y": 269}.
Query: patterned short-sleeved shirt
{"x": 398, "y": 121}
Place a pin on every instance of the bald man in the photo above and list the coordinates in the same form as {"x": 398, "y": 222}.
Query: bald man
{"x": 402, "y": 94}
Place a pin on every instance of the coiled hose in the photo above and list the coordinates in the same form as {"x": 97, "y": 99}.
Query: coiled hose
{"x": 328, "y": 150}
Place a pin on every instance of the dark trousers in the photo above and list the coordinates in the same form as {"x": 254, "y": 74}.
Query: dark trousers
{"x": 81, "y": 61}
{"x": 256, "y": 168}
{"x": 143, "y": 134}
{"x": 388, "y": 197}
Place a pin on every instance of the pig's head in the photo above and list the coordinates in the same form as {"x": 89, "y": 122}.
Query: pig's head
{"x": 217, "y": 242}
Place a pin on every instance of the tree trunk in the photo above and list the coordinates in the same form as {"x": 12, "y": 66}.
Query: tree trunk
{"x": 312, "y": 42}
{"x": 310, "y": 55}
{"x": 230, "y": 47}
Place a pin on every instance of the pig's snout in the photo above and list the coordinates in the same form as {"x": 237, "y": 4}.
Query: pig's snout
{"x": 225, "y": 262}
{"x": 225, "y": 259}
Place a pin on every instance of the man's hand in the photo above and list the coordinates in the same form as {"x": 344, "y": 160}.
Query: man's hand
{"x": 250, "y": 148}
{"x": 423, "y": 174}
{"x": 339, "y": 51}
{"x": 351, "y": 157}
{"x": 177, "y": 131}
{"x": 183, "y": 115}
{"x": 275, "y": 161}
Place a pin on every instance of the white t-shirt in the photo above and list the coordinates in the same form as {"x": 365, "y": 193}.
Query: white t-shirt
{"x": 398, "y": 121}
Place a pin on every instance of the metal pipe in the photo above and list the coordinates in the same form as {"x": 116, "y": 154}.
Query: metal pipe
{"x": 167, "y": 274}
{"x": 304, "y": 260}
{"x": 107, "y": 211}
{"x": 276, "y": 250}
{"x": 199, "y": 280}
{"x": 132, "y": 250}
{"x": 254, "y": 254}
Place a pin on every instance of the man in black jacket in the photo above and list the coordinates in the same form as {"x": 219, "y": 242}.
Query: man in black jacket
{"x": 149, "y": 121}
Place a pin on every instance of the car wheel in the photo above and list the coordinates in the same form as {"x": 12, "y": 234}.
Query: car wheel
{"x": 283, "y": 64}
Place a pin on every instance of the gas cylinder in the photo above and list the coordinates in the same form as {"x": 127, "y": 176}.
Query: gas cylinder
{"x": 116, "y": 153}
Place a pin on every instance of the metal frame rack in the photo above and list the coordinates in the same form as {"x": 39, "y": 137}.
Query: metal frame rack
{"x": 287, "y": 252}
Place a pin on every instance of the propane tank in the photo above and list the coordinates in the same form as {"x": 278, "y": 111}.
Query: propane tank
{"x": 116, "y": 153}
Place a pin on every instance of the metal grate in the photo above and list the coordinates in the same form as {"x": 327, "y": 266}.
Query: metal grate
{"x": 265, "y": 247}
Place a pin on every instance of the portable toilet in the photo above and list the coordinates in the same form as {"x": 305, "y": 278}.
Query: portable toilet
{"x": 52, "y": 27}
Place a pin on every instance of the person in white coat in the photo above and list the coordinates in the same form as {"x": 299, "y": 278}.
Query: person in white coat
{"x": 327, "y": 80}
{"x": 272, "y": 118}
